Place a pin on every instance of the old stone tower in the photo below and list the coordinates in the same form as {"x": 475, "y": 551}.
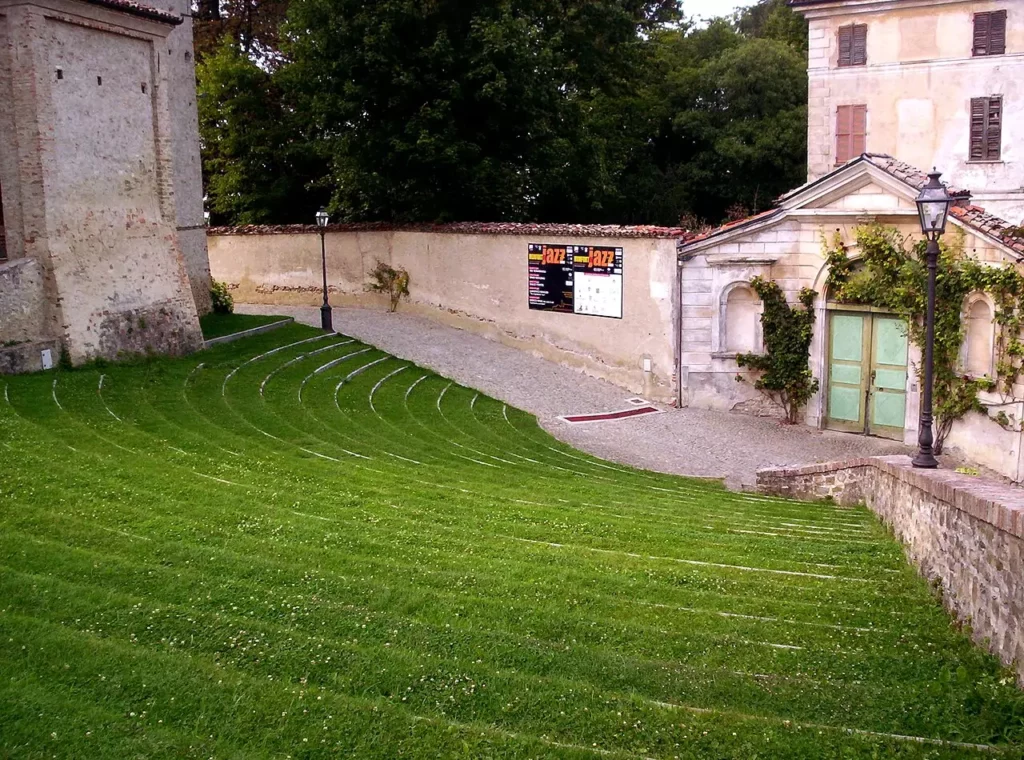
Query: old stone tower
{"x": 103, "y": 246}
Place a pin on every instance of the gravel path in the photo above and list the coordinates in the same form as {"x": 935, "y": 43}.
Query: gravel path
{"x": 693, "y": 442}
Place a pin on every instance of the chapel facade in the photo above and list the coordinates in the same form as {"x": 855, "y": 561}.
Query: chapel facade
{"x": 896, "y": 87}
{"x": 103, "y": 239}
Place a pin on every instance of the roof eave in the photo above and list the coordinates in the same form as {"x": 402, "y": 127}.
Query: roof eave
{"x": 136, "y": 9}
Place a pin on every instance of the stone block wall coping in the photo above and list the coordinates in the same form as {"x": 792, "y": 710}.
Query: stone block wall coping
{"x": 247, "y": 333}
{"x": 995, "y": 503}
{"x": 465, "y": 228}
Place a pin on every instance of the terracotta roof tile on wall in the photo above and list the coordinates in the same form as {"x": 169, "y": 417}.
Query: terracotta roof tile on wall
{"x": 730, "y": 226}
{"x": 911, "y": 175}
{"x": 978, "y": 219}
{"x": 468, "y": 228}
{"x": 138, "y": 9}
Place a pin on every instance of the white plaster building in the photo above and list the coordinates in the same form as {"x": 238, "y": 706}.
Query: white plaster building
{"x": 100, "y": 182}
{"x": 933, "y": 82}
{"x": 887, "y": 78}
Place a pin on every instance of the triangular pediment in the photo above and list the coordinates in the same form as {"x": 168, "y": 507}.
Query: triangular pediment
{"x": 865, "y": 195}
{"x": 860, "y": 186}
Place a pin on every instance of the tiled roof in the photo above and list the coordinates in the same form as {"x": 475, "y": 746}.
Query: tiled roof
{"x": 138, "y": 9}
{"x": 978, "y": 219}
{"x": 974, "y": 217}
{"x": 730, "y": 226}
{"x": 906, "y": 173}
{"x": 467, "y": 228}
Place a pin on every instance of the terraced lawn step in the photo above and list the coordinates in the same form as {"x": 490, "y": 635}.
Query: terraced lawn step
{"x": 298, "y": 545}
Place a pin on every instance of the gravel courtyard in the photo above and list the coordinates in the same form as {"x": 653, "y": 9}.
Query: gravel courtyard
{"x": 692, "y": 442}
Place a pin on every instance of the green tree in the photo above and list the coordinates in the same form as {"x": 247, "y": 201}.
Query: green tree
{"x": 256, "y": 166}
{"x": 773, "y": 20}
{"x": 734, "y": 133}
{"x": 253, "y": 25}
{"x": 446, "y": 111}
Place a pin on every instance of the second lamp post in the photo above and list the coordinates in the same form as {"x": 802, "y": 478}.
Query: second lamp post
{"x": 933, "y": 207}
{"x": 326, "y": 321}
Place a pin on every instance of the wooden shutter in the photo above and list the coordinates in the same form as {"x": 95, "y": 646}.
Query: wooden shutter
{"x": 994, "y": 130}
{"x": 990, "y": 33}
{"x": 982, "y": 28}
{"x": 851, "y": 132}
{"x": 846, "y": 46}
{"x": 859, "y": 133}
{"x": 860, "y": 44}
{"x": 986, "y": 129}
{"x": 997, "y": 33}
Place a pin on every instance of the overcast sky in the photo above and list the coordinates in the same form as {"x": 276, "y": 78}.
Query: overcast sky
{"x": 711, "y": 8}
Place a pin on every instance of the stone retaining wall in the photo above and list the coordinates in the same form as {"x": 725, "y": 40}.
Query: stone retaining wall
{"x": 966, "y": 533}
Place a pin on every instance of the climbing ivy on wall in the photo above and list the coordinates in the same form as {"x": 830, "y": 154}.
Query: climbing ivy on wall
{"x": 784, "y": 374}
{"x": 891, "y": 274}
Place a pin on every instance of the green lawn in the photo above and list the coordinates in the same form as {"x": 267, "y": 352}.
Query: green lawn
{"x": 218, "y": 325}
{"x": 297, "y": 546}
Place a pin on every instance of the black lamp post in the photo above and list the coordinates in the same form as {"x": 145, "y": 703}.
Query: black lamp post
{"x": 326, "y": 322}
{"x": 933, "y": 207}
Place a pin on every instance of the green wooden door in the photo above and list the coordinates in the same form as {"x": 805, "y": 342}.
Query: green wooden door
{"x": 867, "y": 374}
{"x": 888, "y": 391}
{"x": 848, "y": 371}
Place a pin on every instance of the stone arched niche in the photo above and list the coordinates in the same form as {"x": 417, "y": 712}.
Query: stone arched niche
{"x": 740, "y": 317}
{"x": 978, "y": 351}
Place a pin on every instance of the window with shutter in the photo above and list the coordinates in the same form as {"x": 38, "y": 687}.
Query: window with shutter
{"x": 853, "y": 45}
{"x": 990, "y": 33}
{"x": 851, "y": 132}
{"x": 987, "y": 129}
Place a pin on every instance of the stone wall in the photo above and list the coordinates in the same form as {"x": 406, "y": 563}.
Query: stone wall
{"x": 964, "y": 532}
{"x": 22, "y": 299}
{"x": 88, "y": 180}
{"x": 468, "y": 277}
{"x": 180, "y": 75}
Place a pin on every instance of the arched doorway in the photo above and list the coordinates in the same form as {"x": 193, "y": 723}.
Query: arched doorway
{"x": 867, "y": 372}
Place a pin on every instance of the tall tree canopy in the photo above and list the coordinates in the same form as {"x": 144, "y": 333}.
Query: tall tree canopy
{"x": 522, "y": 110}
{"x": 454, "y": 110}
{"x": 258, "y": 168}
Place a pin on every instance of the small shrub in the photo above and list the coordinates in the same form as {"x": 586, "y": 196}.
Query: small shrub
{"x": 222, "y": 301}
{"x": 64, "y": 362}
{"x": 393, "y": 282}
{"x": 784, "y": 376}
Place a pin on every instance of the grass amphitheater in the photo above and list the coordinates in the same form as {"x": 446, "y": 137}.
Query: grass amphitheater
{"x": 295, "y": 545}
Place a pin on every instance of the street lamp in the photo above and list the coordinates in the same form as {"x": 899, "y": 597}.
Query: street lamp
{"x": 933, "y": 207}
{"x": 325, "y": 311}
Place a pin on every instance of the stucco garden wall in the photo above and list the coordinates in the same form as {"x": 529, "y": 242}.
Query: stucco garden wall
{"x": 474, "y": 281}
{"x": 965, "y": 533}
